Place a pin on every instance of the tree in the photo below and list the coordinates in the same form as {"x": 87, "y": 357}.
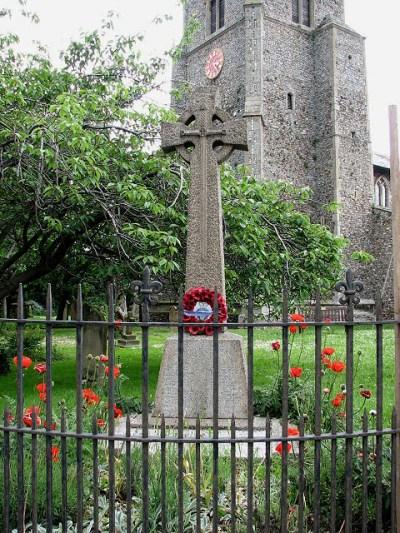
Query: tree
{"x": 86, "y": 195}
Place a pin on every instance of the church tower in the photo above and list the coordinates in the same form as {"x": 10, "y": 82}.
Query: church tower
{"x": 298, "y": 73}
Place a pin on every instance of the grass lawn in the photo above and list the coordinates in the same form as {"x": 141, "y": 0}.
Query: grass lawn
{"x": 265, "y": 360}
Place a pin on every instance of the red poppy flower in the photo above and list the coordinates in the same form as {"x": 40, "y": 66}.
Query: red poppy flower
{"x": 41, "y": 368}
{"x": 327, "y": 321}
{"x": 33, "y": 409}
{"x": 327, "y": 362}
{"x": 52, "y": 426}
{"x": 293, "y": 432}
{"x": 365, "y": 393}
{"x": 26, "y": 361}
{"x": 296, "y": 372}
{"x": 338, "y": 399}
{"x": 118, "y": 324}
{"x": 30, "y": 414}
{"x": 10, "y": 418}
{"x": 101, "y": 422}
{"x": 297, "y": 317}
{"x": 338, "y": 366}
{"x": 43, "y": 397}
{"x": 117, "y": 412}
{"x": 41, "y": 387}
{"x": 276, "y": 346}
{"x": 90, "y": 396}
{"x": 279, "y": 447}
{"x": 336, "y": 402}
{"x": 55, "y": 452}
{"x": 293, "y": 329}
{"x": 328, "y": 350}
{"x": 103, "y": 358}
{"x": 117, "y": 371}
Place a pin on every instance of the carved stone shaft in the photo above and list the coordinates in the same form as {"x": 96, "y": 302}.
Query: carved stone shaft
{"x": 205, "y": 137}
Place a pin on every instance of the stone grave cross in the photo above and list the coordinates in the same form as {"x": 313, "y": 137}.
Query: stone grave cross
{"x": 205, "y": 137}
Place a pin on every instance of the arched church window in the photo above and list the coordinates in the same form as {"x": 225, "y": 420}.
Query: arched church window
{"x": 306, "y": 18}
{"x": 217, "y": 14}
{"x": 295, "y": 11}
{"x": 221, "y": 13}
{"x": 382, "y": 192}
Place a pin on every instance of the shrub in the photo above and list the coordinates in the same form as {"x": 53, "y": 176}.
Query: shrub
{"x": 269, "y": 401}
{"x": 33, "y": 338}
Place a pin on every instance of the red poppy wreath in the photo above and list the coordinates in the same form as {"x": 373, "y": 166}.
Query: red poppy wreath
{"x": 198, "y": 307}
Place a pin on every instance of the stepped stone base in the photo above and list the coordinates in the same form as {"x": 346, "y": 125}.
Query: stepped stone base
{"x": 128, "y": 340}
{"x": 198, "y": 378}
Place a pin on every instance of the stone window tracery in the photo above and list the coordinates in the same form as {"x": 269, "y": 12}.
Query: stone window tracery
{"x": 301, "y": 12}
{"x": 295, "y": 11}
{"x": 382, "y": 192}
{"x": 306, "y": 15}
{"x": 217, "y": 14}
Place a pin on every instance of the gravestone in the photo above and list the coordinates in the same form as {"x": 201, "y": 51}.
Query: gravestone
{"x": 205, "y": 137}
{"x": 94, "y": 342}
{"x": 127, "y": 338}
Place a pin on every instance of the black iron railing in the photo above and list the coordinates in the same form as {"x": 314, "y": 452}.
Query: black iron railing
{"x": 318, "y": 441}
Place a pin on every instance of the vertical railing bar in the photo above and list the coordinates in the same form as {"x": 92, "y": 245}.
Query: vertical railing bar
{"x": 180, "y": 416}
{"x": 285, "y": 409}
{"x": 49, "y": 413}
{"x": 333, "y": 476}
{"x": 300, "y": 516}
{"x": 111, "y": 404}
{"x": 145, "y": 414}
{"x": 250, "y": 419}
{"x": 4, "y": 307}
{"x": 198, "y": 476}
{"x": 95, "y": 444}
{"x": 128, "y": 459}
{"x": 34, "y": 474}
{"x": 379, "y": 412}
{"x": 349, "y": 420}
{"x": 318, "y": 403}
{"x": 79, "y": 418}
{"x": 215, "y": 411}
{"x": 267, "y": 486}
{"x": 233, "y": 475}
{"x": 20, "y": 411}
{"x": 393, "y": 513}
{"x": 64, "y": 472}
{"x": 6, "y": 473}
{"x": 163, "y": 479}
{"x": 365, "y": 474}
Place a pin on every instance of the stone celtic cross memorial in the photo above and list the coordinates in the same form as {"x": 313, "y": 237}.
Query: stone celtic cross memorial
{"x": 205, "y": 137}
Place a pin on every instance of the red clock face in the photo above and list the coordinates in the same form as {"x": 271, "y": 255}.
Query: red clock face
{"x": 214, "y": 64}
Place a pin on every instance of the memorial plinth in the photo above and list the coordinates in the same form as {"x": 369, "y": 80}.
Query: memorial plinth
{"x": 198, "y": 378}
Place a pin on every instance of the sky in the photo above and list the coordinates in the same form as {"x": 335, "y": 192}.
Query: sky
{"x": 63, "y": 20}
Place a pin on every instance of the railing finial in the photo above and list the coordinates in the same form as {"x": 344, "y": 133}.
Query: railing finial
{"x": 145, "y": 291}
{"x": 349, "y": 290}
